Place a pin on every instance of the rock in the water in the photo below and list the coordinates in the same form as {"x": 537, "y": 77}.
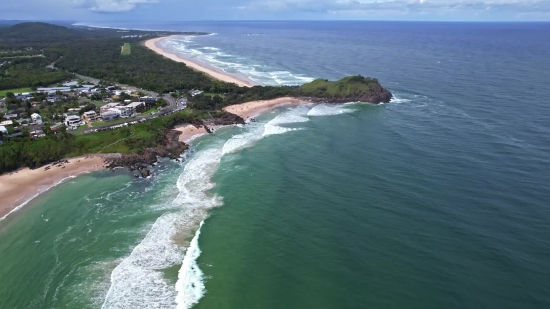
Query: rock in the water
{"x": 145, "y": 172}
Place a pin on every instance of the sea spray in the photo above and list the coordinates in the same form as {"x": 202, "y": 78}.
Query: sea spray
{"x": 190, "y": 285}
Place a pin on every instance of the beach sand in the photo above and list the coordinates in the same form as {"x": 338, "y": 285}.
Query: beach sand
{"x": 18, "y": 187}
{"x": 189, "y": 132}
{"x": 151, "y": 44}
{"x": 254, "y": 108}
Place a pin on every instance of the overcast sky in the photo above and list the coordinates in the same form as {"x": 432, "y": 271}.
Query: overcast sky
{"x": 183, "y": 10}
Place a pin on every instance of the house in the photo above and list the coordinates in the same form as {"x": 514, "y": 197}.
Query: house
{"x": 2, "y": 102}
{"x": 107, "y": 107}
{"x": 195, "y": 92}
{"x": 56, "y": 126}
{"x": 6, "y": 123}
{"x": 73, "y": 121}
{"x": 10, "y": 116}
{"x": 3, "y": 130}
{"x": 37, "y": 133}
{"x": 109, "y": 115}
{"x": 90, "y": 116}
{"x": 123, "y": 111}
{"x": 36, "y": 118}
{"x": 22, "y": 97}
{"x": 119, "y": 92}
{"x": 53, "y": 98}
{"x": 136, "y": 107}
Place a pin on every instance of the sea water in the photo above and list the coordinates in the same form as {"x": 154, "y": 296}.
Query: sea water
{"x": 438, "y": 199}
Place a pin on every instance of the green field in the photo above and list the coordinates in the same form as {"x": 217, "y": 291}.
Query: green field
{"x": 126, "y": 49}
{"x": 19, "y": 90}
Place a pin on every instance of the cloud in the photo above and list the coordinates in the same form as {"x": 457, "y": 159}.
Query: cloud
{"x": 110, "y": 6}
{"x": 401, "y": 6}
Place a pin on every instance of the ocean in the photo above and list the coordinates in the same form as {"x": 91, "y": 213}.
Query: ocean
{"x": 438, "y": 199}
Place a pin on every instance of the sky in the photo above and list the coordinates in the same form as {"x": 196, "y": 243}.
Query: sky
{"x": 189, "y": 10}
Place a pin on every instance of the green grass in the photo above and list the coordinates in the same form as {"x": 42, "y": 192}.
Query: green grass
{"x": 19, "y": 90}
{"x": 126, "y": 49}
{"x": 150, "y": 111}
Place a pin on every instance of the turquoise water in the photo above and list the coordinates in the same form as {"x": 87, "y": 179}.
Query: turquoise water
{"x": 438, "y": 199}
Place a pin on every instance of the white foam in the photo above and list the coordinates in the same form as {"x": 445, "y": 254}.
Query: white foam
{"x": 292, "y": 116}
{"x": 138, "y": 281}
{"x": 190, "y": 285}
{"x": 327, "y": 110}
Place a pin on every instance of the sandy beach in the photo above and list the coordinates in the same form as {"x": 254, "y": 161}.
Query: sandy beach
{"x": 151, "y": 44}
{"x": 18, "y": 187}
{"x": 189, "y": 132}
{"x": 254, "y": 108}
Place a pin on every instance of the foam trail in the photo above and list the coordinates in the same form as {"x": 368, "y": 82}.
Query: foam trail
{"x": 295, "y": 115}
{"x": 328, "y": 110}
{"x": 190, "y": 286}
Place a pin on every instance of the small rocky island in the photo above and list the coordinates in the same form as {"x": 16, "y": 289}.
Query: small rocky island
{"x": 348, "y": 89}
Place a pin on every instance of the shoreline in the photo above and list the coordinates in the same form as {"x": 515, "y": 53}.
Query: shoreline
{"x": 22, "y": 186}
{"x": 252, "y": 109}
{"x": 151, "y": 44}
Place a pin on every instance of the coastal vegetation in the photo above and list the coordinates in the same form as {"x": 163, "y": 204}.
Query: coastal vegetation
{"x": 35, "y": 152}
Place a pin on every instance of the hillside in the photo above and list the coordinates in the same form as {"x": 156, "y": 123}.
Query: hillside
{"x": 36, "y": 32}
{"x": 351, "y": 88}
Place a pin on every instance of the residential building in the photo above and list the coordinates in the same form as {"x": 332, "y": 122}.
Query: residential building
{"x": 109, "y": 115}
{"x": 3, "y": 130}
{"x": 6, "y": 123}
{"x": 10, "y": 116}
{"x": 2, "y": 102}
{"x": 56, "y": 126}
{"x": 136, "y": 107}
{"x": 122, "y": 111}
{"x": 36, "y": 118}
{"x": 73, "y": 121}
{"x": 90, "y": 116}
{"x": 53, "y": 98}
{"x": 107, "y": 107}
{"x": 37, "y": 133}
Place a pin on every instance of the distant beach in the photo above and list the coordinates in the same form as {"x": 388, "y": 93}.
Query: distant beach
{"x": 254, "y": 108}
{"x": 152, "y": 44}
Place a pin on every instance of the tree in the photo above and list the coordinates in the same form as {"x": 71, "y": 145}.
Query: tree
{"x": 10, "y": 95}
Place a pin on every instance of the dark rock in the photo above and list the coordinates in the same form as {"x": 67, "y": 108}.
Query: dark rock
{"x": 145, "y": 173}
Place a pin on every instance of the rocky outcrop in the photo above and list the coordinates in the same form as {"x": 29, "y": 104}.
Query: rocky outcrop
{"x": 172, "y": 148}
{"x": 377, "y": 95}
{"x": 225, "y": 119}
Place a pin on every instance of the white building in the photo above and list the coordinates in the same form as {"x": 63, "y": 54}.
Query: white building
{"x": 3, "y": 130}
{"x": 73, "y": 121}
{"x": 107, "y": 107}
{"x": 135, "y": 106}
{"x": 36, "y": 118}
{"x": 122, "y": 111}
